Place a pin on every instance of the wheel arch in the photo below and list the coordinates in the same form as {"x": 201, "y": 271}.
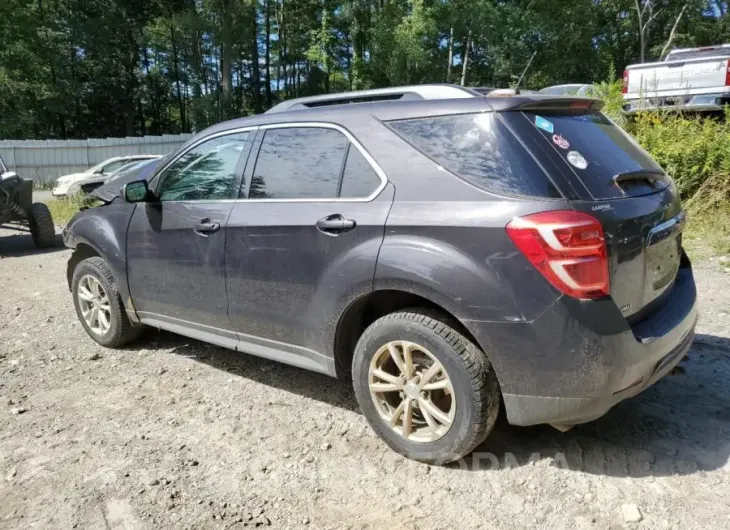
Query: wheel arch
{"x": 81, "y": 252}
{"x": 84, "y": 250}
{"x": 102, "y": 232}
{"x": 368, "y": 308}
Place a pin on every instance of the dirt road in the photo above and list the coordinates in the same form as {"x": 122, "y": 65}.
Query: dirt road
{"x": 173, "y": 433}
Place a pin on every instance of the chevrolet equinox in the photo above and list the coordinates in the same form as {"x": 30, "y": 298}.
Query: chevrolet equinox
{"x": 447, "y": 251}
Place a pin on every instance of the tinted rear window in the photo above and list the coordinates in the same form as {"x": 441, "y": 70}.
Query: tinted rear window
{"x": 595, "y": 149}
{"x": 298, "y": 163}
{"x": 480, "y": 149}
{"x": 698, "y": 54}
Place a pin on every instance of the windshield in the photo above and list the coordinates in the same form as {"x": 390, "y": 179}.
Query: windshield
{"x": 108, "y": 166}
{"x": 568, "y": 90}
{"x": 698, "y": 54}
{"x": 123, "y": 167}
{"x": 97, "y": 167}
{"x": 132, "y": 167}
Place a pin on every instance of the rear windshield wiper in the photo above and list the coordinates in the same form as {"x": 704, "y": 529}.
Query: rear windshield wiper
{"x": 654, "y": 175}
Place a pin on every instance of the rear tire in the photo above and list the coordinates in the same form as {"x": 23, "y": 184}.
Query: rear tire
{"x": 464, "y": 389}
{"x": 114, "y": 330}
{"x": 41, "y": 225}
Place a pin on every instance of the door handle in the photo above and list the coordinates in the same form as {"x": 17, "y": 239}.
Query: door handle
{"x": 335, "y": 224}
{"x": 207, "y": 226}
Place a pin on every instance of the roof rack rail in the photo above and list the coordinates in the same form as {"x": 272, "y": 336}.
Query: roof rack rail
{"x": 400, "y": 93}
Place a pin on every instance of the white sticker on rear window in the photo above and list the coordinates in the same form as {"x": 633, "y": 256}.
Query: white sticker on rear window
{"x": 575, "y": 158}
{"x": 545, "y": 125}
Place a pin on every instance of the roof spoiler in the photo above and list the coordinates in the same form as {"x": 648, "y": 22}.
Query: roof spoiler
{"x": 562, "y": 104}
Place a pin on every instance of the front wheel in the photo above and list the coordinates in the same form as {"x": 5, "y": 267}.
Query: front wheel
{"x": 99, "y": 304}
{"x": 424, "y": 388}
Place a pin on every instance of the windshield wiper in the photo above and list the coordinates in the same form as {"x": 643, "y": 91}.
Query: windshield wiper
{"x": 654, "y": 175}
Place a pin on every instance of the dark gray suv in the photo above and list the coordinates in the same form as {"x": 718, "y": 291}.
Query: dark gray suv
{"x": 445, "y": 250}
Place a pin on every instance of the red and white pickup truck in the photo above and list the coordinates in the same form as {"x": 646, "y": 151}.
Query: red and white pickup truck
{"x": 689, "y": 78}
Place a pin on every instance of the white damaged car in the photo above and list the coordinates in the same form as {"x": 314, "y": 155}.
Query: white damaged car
{"x": 69, "y": 184}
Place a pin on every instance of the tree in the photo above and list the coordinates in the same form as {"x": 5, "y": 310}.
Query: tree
{"x": 91, "y": 68}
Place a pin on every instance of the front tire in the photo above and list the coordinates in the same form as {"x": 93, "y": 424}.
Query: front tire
{"x": 99, "y": 305}
{"x": 423, "y": 387}
{"x": 41, "y": 225}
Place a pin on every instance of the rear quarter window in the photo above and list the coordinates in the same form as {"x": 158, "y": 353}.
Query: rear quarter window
{"x": 359, "y": 179}
{"x": 481, "y": 150}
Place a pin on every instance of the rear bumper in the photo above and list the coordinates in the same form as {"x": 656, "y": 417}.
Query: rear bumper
{"x": 531, "y": 410}
{"x": 698, "y": 103}
{"x": 579, "y": 359}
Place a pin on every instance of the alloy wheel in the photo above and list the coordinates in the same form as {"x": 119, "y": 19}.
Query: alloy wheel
{"x": 94, "y": 304}
{"x": 412, "y": 391}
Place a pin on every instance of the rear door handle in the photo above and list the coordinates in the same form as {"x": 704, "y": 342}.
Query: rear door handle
{"x": 335, "y": 224}
{"x": 207, "y": 226}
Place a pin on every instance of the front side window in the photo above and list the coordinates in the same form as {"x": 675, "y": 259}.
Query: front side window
{"x": 298, "y": 163}
{"x": 206, "y": 172}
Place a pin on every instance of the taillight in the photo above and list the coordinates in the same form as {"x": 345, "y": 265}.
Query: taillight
{"x": 727, "y": 74}
{"x": 625, "y": 85}
{"x": 568, "y": 248}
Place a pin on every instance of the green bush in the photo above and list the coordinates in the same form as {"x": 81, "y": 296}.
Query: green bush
{"x": 64, "y": 208}
{"x": 695, "y": 151}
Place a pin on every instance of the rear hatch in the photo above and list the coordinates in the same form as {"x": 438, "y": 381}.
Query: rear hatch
{"x": 606, "y": 174}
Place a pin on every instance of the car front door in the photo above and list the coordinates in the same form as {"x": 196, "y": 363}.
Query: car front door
{"x": 305, "y": 240}
{"x": 175, "y": 249}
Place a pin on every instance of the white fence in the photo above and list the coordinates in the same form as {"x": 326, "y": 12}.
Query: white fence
{"x": 46, "y": 160}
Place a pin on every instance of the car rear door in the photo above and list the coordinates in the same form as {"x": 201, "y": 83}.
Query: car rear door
{"x": 305, "y": 240}
{"x": 175, "y": 249}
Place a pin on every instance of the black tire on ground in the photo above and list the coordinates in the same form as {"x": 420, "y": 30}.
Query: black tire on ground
{"x": 41, "y": 225}
{"x": 475, "y": 385}
{"x": 121, "y": 330}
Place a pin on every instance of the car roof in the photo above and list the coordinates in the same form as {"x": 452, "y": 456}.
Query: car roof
{"x": 395, "y": 110}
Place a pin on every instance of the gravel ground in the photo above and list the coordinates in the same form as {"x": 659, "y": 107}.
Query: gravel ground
{"x": 174, "y": 433}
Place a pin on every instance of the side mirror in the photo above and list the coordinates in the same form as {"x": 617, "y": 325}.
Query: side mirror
{"x": 99, "y": 171}
{"x": 136, "y": 191}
